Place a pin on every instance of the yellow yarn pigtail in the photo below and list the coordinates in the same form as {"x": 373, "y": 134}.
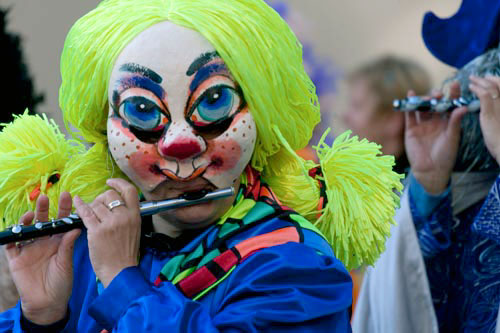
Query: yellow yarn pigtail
{"x": 360, "y": 188}
{"x": 287, "y": 174}
{"x": 32, "y": 150}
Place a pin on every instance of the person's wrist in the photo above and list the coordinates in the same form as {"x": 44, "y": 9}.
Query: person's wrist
{"x": 45, "y": 316}
{"x": 433, "y": 183}
{"x": 108, "y": 275}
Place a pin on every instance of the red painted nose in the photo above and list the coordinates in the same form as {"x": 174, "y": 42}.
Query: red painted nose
{"x": 180, "y": 149}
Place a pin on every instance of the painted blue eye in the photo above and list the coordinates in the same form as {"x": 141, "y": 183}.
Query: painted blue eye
{"x": 216, "y": 103}
{"x": 142, "y": 113}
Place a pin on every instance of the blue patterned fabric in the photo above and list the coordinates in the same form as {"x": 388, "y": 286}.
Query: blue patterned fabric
{"x": 487, "y": 222}
{"x": 462, "y": 259}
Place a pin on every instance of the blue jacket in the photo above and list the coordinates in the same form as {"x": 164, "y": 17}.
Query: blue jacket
{"x": 295, "y": 287}
{"x": 461, "y": 254}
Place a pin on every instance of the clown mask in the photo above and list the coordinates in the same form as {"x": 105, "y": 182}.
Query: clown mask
{"x": 178, "y": 121}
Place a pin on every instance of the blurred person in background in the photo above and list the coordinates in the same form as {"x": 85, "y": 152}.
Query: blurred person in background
{"x": 441, "y": 269}
{"x": 372, "y": 89}
{"x": 17, "y": 94}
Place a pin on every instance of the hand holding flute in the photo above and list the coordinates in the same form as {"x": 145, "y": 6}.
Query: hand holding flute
{"x": 435, "y": 112}
{"x": 431, "y": 142}
{"x": 43, "y": 270}
{"x": 20, "y": 233}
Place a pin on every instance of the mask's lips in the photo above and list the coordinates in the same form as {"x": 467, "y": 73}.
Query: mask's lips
{"x": 192, "y": 192}
{"x": 196, "y": 173}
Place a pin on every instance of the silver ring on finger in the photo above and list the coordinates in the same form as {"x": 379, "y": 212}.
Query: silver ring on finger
{"x": 115, "y": 203}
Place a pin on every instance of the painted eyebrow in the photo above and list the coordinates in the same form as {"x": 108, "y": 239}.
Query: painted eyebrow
{"x": 138, "y": 81}
{"x": 144, "y": 71}
{"x": 207, "y": 71}
{"x": 201, "y": 61}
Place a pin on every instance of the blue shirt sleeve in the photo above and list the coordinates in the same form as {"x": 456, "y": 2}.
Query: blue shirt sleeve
{"x": 288, "y": 288}
{"x": 487, "y": 222}
{"x": 10, "y": 320}
{"x": 432, "y": 216}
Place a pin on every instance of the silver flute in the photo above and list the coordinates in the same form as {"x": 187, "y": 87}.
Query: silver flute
{"x": 18, "y": 233}
{"x": 439, "y": 105}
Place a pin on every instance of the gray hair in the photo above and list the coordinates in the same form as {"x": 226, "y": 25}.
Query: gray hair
{"x": 472, "y": 153}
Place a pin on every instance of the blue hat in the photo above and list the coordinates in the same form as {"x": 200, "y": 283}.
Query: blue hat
{"x": 473, "y": 30}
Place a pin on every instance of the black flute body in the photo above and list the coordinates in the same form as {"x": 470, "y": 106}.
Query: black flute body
{"x": 19, "y": 233}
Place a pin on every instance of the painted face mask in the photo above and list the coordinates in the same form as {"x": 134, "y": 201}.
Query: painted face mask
{"x": 176, "y": 114}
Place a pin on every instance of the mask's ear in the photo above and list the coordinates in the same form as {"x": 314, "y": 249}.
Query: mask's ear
{"x": 33, "y": 158}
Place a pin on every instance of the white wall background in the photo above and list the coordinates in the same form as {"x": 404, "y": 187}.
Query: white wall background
{"x": 348, "y": 31}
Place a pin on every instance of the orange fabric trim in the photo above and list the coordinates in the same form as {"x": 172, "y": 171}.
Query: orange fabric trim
{"x": 320, "y": 207}
{"x": 277, "y": 237}
{"x": 35, "y": 193}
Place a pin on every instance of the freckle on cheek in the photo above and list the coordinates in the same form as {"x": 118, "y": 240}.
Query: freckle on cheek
{"x": 224, "y": 157}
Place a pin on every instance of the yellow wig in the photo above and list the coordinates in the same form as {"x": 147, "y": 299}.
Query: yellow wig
{"x": 265, "y": 58}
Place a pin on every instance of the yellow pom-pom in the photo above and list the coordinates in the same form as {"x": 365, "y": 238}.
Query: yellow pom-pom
{"x": 360, "y": 188}
{"x": 32, "y": 151}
